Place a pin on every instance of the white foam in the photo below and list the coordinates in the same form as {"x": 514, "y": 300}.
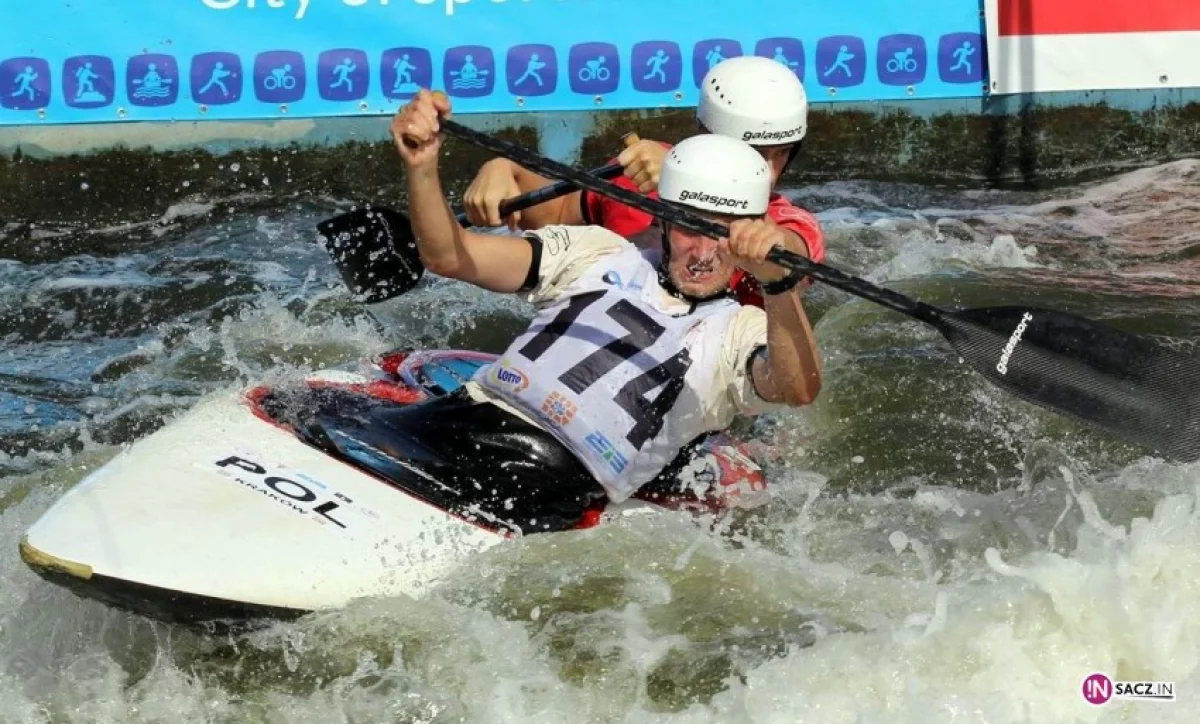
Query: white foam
{"x": 119, "y": 280}
{"x": 1015, "y": 647}
{"x": 920, "y": 609}
{"x": 185, "y": 210}
{"x": 922, "y": 604}
{"x": 918, "y": 257}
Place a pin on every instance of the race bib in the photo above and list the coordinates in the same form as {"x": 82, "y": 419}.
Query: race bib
{"x": 617, "y": 379}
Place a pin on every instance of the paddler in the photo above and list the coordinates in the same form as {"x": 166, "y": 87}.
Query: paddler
{"x": 755, "y": 99}
{"x": 634, "y": 352}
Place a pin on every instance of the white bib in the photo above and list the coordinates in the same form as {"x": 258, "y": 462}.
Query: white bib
{"x": 615, "y": 376}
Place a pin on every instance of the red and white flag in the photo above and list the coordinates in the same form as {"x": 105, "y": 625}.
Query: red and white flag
{"x": 1055, "y": 45}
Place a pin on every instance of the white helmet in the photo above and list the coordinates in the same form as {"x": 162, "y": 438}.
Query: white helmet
{"x": 756, "y": 99}
{"x": 717, "y": 174}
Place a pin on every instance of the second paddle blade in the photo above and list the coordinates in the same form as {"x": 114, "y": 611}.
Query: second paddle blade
{"x": 1128, "y": 385}
{"x": 374, "y": 251}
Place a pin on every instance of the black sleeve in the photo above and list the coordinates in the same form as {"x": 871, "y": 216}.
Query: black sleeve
{"x": 583, "y": 209}
{"x": 759, "y": 351}
{"x": 532, "y": 277}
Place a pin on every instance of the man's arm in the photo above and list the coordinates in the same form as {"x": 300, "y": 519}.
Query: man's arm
{"x": 563, "y": 211}
{"x": 494, "y": 262}
{"x": 500, "y": 179}
{"x": 790, "y": 373}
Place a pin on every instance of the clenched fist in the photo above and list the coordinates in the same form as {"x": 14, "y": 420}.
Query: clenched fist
{"x": 750, "y": 240}
{"x": 494, "y": 183}
{"x": 416, "y": 129}
{"x": 642, "y": 163}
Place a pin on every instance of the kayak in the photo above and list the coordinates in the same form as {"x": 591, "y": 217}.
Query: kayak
{"x": 231, "y": 515}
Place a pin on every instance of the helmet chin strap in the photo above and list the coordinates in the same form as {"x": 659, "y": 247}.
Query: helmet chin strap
{"x": 664, "y": 275}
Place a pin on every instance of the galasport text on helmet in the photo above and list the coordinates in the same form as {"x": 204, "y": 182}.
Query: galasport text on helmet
{"x": 718, "y": 174}
{"x": 755, "y": 99}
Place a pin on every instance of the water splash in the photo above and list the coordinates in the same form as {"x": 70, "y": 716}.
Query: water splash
{"x": 932, "y": 549}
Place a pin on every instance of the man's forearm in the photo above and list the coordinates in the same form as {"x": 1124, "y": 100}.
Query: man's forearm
{"x": 794, "y": 367}
{"x": 554, "y": 211}
{"x": 438, "y": 233}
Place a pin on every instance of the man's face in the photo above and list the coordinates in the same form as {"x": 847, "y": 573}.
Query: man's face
{"x": 698, "y": 266}
{"x": 776, "y": 158}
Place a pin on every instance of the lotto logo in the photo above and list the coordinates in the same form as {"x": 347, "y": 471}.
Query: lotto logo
{"x": 559, "y": 409}
{"x": 506, "y": 374}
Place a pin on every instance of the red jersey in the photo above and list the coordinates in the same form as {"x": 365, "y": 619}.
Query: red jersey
{"x": 627, "y": 221}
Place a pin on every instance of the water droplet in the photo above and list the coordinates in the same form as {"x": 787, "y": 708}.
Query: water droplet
{"x": 235, "y": 167}
{"x": 84, "y": 186}
{"x": 858, "y": 460}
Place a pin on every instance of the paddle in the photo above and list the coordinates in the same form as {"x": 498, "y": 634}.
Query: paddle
{"x": 376, "y": 254}
{"x": 1128, "y": 385}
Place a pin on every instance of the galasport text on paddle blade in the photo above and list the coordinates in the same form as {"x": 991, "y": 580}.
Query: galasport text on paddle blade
{"x": 1136, "y": 389}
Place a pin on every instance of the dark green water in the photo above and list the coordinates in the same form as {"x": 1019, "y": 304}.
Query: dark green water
{"x": 875, "y": 586}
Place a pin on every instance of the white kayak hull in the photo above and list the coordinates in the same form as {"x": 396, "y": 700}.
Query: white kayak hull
{"x": 223, "y": 516}
{"x": 187, "y": 510}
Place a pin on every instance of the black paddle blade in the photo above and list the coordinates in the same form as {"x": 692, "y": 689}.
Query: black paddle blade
{"x": 1130, "y": 386}
{"x": 374, "y": 251}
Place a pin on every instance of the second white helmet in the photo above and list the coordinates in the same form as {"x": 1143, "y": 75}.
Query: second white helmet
{"x": 717, "y": 174}
{"x": 757, "y": 100}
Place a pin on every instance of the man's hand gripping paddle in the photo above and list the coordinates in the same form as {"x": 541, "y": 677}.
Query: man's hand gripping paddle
{"x": 1129, "y": 385}
{"x": 376, "y": 254}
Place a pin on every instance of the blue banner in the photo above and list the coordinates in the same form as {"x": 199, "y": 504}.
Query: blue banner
{"x": 73, "y": 61}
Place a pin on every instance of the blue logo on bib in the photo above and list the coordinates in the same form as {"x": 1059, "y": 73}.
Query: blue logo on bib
{"x": 613, "y": 279}
{"x": 510, "y": 376}
{"x": 605, "y": 450}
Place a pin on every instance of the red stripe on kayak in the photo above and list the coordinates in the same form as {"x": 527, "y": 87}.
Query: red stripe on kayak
{"x": 591, "y": 518}
{"x": 390, "y": 364}
{"x": 1070, "y": 17}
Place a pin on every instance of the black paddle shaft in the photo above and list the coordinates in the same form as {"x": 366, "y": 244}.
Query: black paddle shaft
{"x": 681, "y": 217}
{"x": 549, "y": 193}
{"x": 1128, "y": 385}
